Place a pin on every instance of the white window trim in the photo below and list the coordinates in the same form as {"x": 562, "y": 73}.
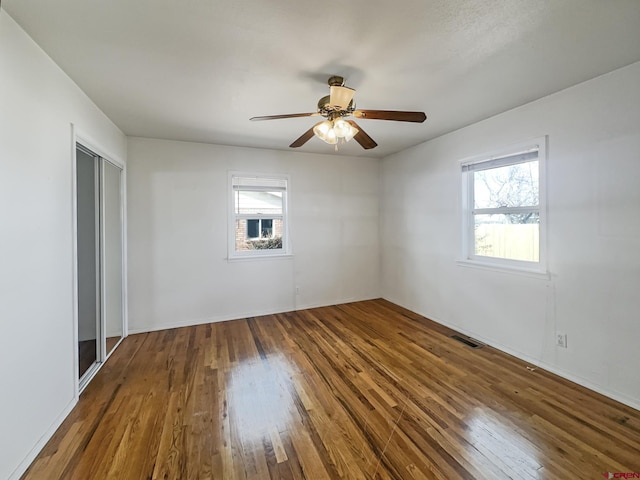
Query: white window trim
{"x": 468, "y": 258}
{"x": 285, "y": 251}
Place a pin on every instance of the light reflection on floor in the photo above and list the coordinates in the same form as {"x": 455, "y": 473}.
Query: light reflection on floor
{"x": 499, "y": 440}
{"x": 258, "y": 398}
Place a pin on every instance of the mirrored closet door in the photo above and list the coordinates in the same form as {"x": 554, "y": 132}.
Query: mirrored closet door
{"x": 112, "y": 307}
{"x": 99, "y": 254}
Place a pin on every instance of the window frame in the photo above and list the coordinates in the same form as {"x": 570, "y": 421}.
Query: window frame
{"x": 469, "y": 257}
{"x": 234, "y": 254}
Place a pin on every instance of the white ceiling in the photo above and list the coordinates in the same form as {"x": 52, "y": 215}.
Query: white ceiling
{"x": 197, "y": 70}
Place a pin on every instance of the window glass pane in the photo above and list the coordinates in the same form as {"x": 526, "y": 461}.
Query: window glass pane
{"x": 509, "y": 186}
{"x": 266, "y": 229}
{"x": 253, "y": 228}
{"x": 510, "y": 236}
{"x": 248, "y": 202}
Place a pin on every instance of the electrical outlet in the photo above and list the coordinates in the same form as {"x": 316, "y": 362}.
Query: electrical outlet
{"x": 561, "y": 339}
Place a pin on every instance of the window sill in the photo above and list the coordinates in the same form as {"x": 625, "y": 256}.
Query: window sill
{"x": 245, "y": 258}
{"x": 532, "y": 273}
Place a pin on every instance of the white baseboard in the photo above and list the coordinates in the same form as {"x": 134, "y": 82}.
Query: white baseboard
{"x": 31, "y": 456}
{"x": 199, "y": 321}
{"x": 236, "y": 316}
{"x": 341, "y": 302}
{"x": 602, "y": 390}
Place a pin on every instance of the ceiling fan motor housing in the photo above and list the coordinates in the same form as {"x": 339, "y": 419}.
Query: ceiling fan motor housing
{"x": 327, "y": 110}
{"x": 336, "y": 81}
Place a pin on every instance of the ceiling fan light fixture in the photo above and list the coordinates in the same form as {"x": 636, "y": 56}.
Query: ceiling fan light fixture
{"x": 353, "y": 131}
{"x": 344, "y": 129}
{"x": 331, "y": 139}
{"x": 341, "y": 127}
{"x": 325, "y": 132}
{"x": 330, "y": 131}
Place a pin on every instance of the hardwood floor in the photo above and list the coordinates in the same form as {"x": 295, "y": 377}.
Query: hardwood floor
{"x": 366, "y": 390}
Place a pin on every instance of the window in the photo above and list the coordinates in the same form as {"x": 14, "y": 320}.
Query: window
{"x": 503, "y": 220}
{"x": 259, "y": 228}
{"x": 259, "y": 216}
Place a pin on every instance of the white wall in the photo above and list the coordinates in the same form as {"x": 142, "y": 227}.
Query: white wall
{"x": 38, "y": 103}
{"x": 593, "y": 246}
{"x": 177, "y": 234}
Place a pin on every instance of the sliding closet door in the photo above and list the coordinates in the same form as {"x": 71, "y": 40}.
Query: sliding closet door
{"x": 99, "y": 255}
{"x": 88, "y": 260}
{"x": 112, "y": 265}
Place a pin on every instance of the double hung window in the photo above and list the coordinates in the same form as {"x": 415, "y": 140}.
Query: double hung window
{"x": 503, "y": 220}
{"x": 259, "y": 216}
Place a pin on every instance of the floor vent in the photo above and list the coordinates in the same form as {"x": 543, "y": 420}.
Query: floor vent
{"x": 467, "y": 341}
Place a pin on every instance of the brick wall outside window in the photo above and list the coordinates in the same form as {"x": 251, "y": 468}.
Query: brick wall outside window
{"x": 241, "y": 231}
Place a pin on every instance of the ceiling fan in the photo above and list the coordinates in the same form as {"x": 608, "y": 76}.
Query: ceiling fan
{"x": 334, "y": 108}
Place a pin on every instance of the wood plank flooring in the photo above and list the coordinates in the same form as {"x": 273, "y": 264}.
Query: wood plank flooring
{"x": 366, "y": 390}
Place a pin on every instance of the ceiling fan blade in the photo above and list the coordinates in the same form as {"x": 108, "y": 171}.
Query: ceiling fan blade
{"x": 302, "y": 139}
{"x": 362, "y": 138}
{"x": 395, "y": 115}
{"x": 287, "y": 115}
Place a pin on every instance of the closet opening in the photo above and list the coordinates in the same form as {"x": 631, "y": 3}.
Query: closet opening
{"x": 99, "y": 260}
